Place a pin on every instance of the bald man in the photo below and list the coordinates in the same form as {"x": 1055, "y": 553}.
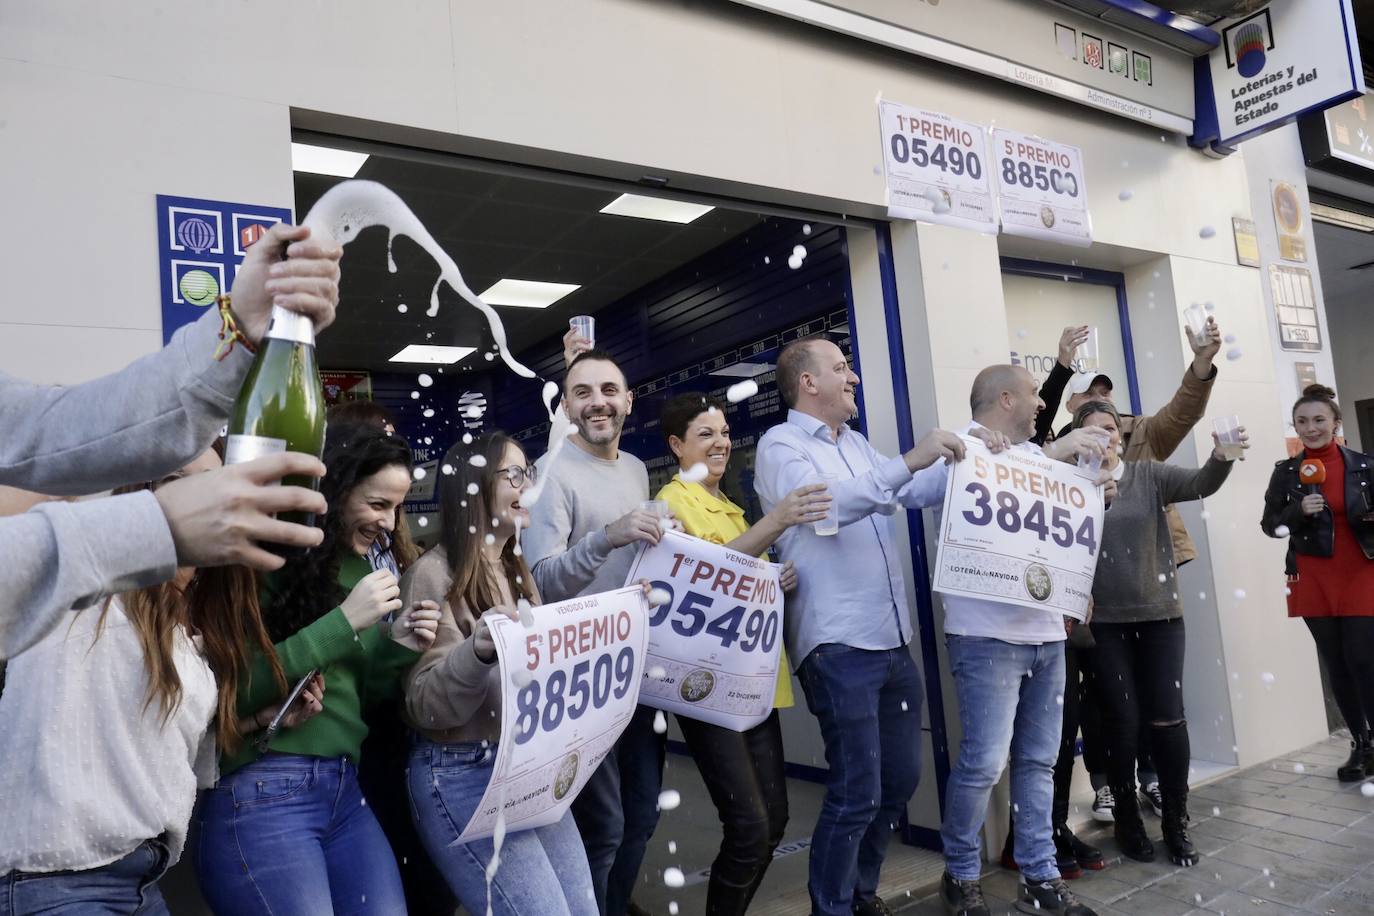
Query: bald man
{"x": 1008, "y": 667}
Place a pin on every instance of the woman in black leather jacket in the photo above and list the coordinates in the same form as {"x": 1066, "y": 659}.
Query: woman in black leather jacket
{"x": 1322, "y": 502}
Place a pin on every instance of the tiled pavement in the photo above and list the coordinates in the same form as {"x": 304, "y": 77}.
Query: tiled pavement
{"x": 1284, "y": 837}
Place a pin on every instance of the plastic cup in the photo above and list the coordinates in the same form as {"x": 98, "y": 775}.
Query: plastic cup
{"x": 585, "y": 326}
{"x": 659, "y": 509}
{"x": 1088, "y": 353}
{"x": 1196, "y": 316}
{"x": 830, "y": 525}
{"x": 1228, "y": 436}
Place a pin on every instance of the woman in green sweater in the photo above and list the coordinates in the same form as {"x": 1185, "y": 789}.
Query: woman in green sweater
{"x": 286, "y": 830}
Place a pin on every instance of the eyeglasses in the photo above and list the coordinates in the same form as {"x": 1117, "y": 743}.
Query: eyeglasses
{"x": 518, "y": 475}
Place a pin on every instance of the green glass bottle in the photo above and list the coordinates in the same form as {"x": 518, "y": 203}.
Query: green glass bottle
{"x": 281, "y": 407}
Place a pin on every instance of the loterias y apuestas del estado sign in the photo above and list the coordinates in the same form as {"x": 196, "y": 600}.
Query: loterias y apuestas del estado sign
{"x": 1273, "y": 65}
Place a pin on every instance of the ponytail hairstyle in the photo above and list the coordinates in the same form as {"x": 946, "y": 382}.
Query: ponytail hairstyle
{"x": 1320, "y": 394}
{"x": 465, "y": 519}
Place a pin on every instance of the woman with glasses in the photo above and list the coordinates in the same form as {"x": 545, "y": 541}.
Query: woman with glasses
{"x": 743, "y": 771}
{"x": 453, "y": 694}
{"x": 110, "y": 726}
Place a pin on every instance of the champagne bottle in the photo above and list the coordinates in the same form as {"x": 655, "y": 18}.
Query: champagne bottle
{"x": 280, "y": 407}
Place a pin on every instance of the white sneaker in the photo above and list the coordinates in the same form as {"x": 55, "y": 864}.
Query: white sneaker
{"x": 1104, "y": 805}
{"x": 1150, "y": 794}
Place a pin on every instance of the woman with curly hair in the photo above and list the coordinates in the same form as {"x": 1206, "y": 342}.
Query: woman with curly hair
{"x": 286, "y": 829}
{"x": 110, "y": 725}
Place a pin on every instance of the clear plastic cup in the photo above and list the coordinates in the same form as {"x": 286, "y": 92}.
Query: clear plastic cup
{"x": 831, "y": 523}
{"x": 659, "y": 509}
{"x": 585, "y": 326}
{"x": 1196, "y": 316}
{"x": 1090, "y": 467}
{"x": 1088, "y": 360}
{"x": 1228, "y": 435}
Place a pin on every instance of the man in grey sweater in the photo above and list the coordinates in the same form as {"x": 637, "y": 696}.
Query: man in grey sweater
{"x": 583, "y": 531}
{"x": 142, "y": 423}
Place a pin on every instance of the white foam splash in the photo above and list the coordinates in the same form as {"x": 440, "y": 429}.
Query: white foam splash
{"x": 659, "y": 596}
{"x": 696, "y": 473}
{"x": 420, "y": 473}
{"x": 1233, "y": 354}
{"x": 1125, "y": 194}
{"x": 660, "y": 723}
{"x": 1267, "y": 677}
{"x": 741, "y": 391}
{"x": 429, "y": 412}
{"x": 669, "y": 799}
{"x": 526, "y": 613}
{"x": 1367, "y": 790}
{"x": 1240, "y": 594}
{"x": 806, "y": 229}
{"x": 1281, "y": 531}
{"x": 521, "y": 678}
{"x": 472, "y": 489}
{"x": 656, "y": 672}
{"x": 478, "y": 461}
{"x": 673, "y": 877}
{"x": 349, "y": 207}
{"x": 425, "y": 379}
{"x": 1206, "y": 232}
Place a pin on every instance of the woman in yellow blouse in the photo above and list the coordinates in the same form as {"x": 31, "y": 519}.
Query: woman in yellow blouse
{"x": 742, "y": 770}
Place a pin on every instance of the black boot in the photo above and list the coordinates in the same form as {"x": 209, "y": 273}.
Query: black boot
{"x": 1068, "y": 846}
{"x": 1357, "y": 766}
{"x": 1175, "y": 824}
{"x": 1128, "y": 828}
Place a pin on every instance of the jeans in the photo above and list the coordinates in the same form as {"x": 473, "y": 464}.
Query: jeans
{"x": 1140, "y": 683}
{"x": 292, "y": 834}
{"x": 617, "y": 811}
{"x": 868, "y": 703}
{"x": 744, "y": 772}
{"x": 1346, "y": 647}
{"x": 1007, "y": 702}
{"x": 125, "y": 886}
{"x": 541, "y": 871}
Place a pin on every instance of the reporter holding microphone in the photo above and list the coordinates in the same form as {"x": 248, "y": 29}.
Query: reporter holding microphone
{"x": 1321, "y": 501}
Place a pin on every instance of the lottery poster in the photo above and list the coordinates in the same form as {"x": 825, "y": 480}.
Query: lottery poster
{"x": 570, "y": 685}
{"x": 1019, "y": 528}
{"x": 714, "y": 644}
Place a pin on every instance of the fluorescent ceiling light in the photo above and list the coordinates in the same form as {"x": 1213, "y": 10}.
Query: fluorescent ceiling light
{"x": 324, "y": 160}
{"x": 745, "y": 370}
{"x": 426, "y": 353}
{"x": 659, "y": 208}
{"x": 526, "y": 294}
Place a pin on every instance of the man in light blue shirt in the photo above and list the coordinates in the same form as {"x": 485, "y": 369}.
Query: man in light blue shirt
{"x": 847, "y": 623}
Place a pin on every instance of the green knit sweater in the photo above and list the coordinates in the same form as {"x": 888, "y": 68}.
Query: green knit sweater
{"x": 360, "y": 670}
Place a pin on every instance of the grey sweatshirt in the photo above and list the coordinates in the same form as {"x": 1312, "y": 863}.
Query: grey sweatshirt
{"x": 1137, "y": 548}
{"x": 140, "y": 423}
{"x": 566, "y": 545}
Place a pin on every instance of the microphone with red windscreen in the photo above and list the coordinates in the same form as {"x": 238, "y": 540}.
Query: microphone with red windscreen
{"x": 1312, "y": 473}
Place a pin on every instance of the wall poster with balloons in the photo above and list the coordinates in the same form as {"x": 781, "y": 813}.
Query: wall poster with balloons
{"x": 200, "y": 245}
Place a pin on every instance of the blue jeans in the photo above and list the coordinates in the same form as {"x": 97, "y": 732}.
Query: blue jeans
{"x": 125, "y": 886}
{"x": 617, "y": 811}
{"x": 1007, "y": 701}
{"x": 541, "y": 871}
{"x": 869, "y": 706}
{"x": 292, "y": 834}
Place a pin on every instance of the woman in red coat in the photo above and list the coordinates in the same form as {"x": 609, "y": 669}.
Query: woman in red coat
{"x": 1321, "y": 501}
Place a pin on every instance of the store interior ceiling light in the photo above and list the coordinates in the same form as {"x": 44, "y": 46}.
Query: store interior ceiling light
{"x": 526, "y": 294}
{"x": 745, "y": 370}
{"x": 325, "y": 160}
{"x": 427, "y": 353}
{"x": 659, "y": 208}
{"x": 1346, "y": 219}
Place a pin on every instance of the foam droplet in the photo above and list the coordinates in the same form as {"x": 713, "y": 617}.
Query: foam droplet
{"x": 467, "y": 438}
{"x": 521, "y": 678}
{"x": 669, "y": 799}
{"x": 1367, "y": 790}
{"x": 1125, "y": 194}
{"x": 425, "y": 379}
{"x": 423, "y": 522}
{"x": 1240, "y": 594}
{"x": 1281, "y": 531}
{"x": 1267, "y": 677}
{"x": 656, "y": 673}
{"x": 695, "y": 474}
{"x": 672, "y": 908}
{"x": 741, "y": 390}
{"x": 806, "y": 228}
{"x": 489, "y": 539}
{"x": 478, "y": 461}
{"x": 794, "y": 262}
{"x": 1299, "y": 768}
{"x": 402, "y": 308}
{"x": 415, "y": 395}
{"x": 660, "y": 723}
{"x": 659, "y": 596}
{"x": 1206, "y": 232}
{"x": 1229, "y": 338}
{"x": 799, "y": 251}
{"x": 420, "y": 473}
{"x": 1233, "y": 354}
{"x": 673, "y": 877}
{"x": 429, "y": 412}
{"x": 472, "y": 489}
{"x": 526, "y": 613}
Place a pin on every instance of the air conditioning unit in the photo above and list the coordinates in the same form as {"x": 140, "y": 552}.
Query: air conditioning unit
{"x": 1207, "y": 11}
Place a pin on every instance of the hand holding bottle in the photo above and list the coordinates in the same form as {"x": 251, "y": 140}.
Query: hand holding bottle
{"x": 219, "y": 517}
{"x": 307, "y": 282}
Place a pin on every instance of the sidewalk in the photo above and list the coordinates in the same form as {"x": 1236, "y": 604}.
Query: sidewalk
{"x": 1284, "y": 837}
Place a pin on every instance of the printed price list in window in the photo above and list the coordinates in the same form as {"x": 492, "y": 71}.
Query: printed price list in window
{"x": 1296, "y": 308}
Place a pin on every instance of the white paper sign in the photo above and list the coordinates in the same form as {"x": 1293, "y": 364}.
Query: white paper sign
{"x": 936, "y": 168}
{"x": 1040, "y": 188}
{"x": 714, "y": 647}
{"x": 584, "y": 660}
{"x": 1019, "y": 528}
{"x": 1276, "y": 63}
